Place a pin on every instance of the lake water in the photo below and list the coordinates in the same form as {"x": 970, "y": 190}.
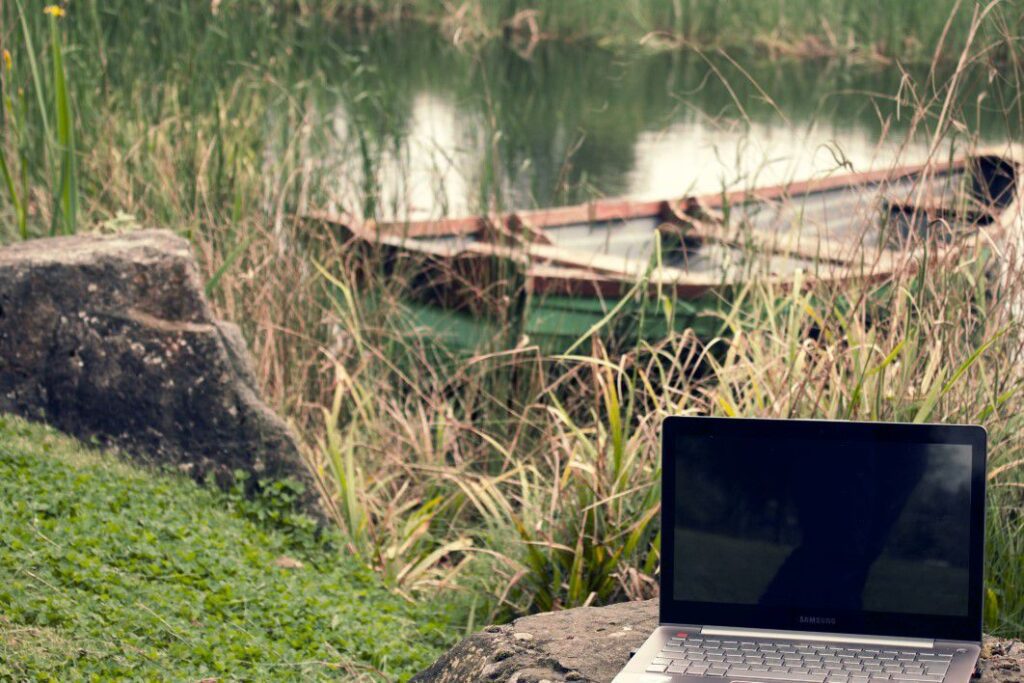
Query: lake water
{"x": 439, "y": 131}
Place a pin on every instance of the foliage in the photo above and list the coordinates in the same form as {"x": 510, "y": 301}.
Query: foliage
{"x": 527, "y": 481}
{"x": 888, "y": 30}
{"x": 567, "y": 465}
{"x": 110, "y": 572}
{"x": 274, "y": 504}
{"x": 58, "y": 154}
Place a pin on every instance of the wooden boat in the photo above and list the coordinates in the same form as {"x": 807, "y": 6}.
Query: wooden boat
{"x": 555, "y": 274}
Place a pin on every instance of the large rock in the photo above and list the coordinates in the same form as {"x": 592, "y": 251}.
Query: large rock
{"x": 594, "y": 643}
{"x": 111, "y": 338}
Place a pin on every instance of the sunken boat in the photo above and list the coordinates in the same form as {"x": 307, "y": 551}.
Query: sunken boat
{"x": 642, "y": 268}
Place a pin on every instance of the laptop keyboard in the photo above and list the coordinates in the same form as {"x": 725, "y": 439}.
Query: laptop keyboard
{"x": 794, "y": 661}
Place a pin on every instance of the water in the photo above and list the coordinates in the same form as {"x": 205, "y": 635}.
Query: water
{"x": 447, "y": 132}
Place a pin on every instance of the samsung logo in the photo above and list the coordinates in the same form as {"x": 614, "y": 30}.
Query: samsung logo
{"x": 819, "y": 621}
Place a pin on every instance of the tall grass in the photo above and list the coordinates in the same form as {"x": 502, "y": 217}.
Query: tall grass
{"x": 881, "y": 32}
{"x": 556, "y": 493}
{"x": 67, "y": 186}
{"x": 54, "y": 143}
{"x": 555, "y": 483}
{"x": 526, "y": 481}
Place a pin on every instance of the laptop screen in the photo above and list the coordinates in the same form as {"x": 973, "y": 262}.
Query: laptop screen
{"x": 823, "y": 526}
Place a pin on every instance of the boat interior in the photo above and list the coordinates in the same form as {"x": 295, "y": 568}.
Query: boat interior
{"x": 840, "y": 226}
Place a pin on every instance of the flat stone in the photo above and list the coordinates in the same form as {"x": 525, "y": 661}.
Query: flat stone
{"x": 594, "y": 643}
{"x": 110, "y": 338}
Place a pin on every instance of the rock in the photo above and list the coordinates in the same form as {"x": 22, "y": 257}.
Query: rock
{"x": 110, "y": 338}
{"x": 583, "y": 644}
{"x": 594, "y": 643}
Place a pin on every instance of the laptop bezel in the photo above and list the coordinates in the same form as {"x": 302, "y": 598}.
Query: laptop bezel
{"x": 965, "y": 628}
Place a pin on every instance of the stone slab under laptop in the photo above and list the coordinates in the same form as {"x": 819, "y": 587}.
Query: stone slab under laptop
{"x": 591, "y": 644}
{"x": 818, "y": 552}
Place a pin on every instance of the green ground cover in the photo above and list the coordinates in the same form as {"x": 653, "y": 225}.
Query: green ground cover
{"x": 109, "y": 571}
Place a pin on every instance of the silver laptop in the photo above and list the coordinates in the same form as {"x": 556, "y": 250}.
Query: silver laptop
{"x": 818, "y": 552}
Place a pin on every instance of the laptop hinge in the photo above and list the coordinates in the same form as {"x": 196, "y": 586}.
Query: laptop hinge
{"x": 724, "y": 631}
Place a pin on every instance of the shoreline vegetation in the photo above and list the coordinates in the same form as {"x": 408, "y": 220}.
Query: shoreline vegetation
{"x": 509, "y": 480}
{"x": 881, "y": 34}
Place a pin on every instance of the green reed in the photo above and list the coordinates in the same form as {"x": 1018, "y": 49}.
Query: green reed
{"x": 887, "y": 31}
{"x": 53, "y": 151}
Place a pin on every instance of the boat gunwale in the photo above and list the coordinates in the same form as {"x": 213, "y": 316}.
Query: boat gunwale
{"x": 620, "y": 209}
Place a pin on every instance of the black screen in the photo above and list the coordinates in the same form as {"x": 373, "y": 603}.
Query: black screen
{"x": 822, "y": 526}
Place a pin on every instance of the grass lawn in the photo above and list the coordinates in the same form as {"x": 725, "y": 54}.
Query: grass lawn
{"x": 110, "y": 571}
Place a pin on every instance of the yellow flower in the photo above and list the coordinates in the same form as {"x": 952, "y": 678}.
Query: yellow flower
{"x": 54, "y": 10}
{"x": 7, "y": 59}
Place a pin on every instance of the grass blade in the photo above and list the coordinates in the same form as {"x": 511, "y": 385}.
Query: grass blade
{"x": 66, "y": 205}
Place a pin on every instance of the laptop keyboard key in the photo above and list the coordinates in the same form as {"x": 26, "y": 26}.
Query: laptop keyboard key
{"x": 819, "y": 665}
{"x": 797, "y": 662}
{"x": 790, "y": 676}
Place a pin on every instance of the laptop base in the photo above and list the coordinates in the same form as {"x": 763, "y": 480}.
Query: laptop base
{"x": 688, "y": 654}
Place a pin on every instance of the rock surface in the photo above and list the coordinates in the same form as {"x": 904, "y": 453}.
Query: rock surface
{"x": 594, "y": 643}
{"x": 111, "y": 338}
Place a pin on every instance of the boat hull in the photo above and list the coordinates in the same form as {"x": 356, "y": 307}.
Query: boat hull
{"x": 640, "y": 270}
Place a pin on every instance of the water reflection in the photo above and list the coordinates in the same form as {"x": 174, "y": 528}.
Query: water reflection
{"x": 454, "y": 133}
{"x": 431, "y": 169}
{"x": 690, "y": 157}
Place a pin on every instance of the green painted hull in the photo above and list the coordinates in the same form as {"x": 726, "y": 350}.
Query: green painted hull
{"x": 557, "y": 323}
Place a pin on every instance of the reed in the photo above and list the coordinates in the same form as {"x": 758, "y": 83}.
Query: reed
{"x": 556, "y": 483}
{"x": 55, "y": 143}
{"x": 556, "y": 493}
{"x": 887, "y": 31}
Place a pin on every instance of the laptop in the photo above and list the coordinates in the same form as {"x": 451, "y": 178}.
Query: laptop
{"x": 817, "y": 552}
